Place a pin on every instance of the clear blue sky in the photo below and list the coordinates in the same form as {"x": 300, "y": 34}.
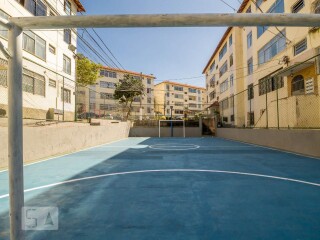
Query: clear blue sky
{"x": 168, "y": 53}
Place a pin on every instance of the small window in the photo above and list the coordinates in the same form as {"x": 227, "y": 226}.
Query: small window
{"x": 297, "y": 85}
{"x": 297, "y": 6}
{"x": 249, "y": 40}
{"x": 230, "y": 40}
{"x": 149, "y": 81}
{"x": 65, "y": 95}
{"x": 250, "y": 92}
{"x": 66, "y": 64}
{"x": 250, "y": 66}
{"x": 248, "y": 10}
{"x": 251, "y": 118}
{"x": 67, "y": 7}
{"x": 67, "y": 35}
{"x": 231, "y": 60}
{"x": 52, "y": 49}
{"x": 52, "y": 83}
{"x": 300, "y": 47}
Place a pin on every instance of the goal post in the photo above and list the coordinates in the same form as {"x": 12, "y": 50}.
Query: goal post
{"x": 173, "y": 121}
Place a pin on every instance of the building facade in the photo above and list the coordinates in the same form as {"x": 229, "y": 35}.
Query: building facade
{"x": 184, "y": 99}
{"x": 99, "y": 98}
{"x": 278, "y": 86}
{"x": 48, "y": 60}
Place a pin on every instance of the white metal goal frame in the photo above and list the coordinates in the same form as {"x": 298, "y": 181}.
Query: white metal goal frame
{"x": 16, "y": 25}
{"x": 183, "y": 126}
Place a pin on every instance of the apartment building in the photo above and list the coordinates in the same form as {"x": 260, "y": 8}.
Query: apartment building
{"x": 48, "y": 60}
{"x": 224, "y": 78}
{"x": 182, "y": 98}
{"x": 99, "y": 98}
{"x": 279, "y": 68}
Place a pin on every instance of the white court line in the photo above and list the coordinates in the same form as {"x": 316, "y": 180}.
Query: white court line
{"x": 270, "y": 148}
{"x": 63, "y": 155}
{"x": 166, "y": 170}
{"x": 174, "y": 147}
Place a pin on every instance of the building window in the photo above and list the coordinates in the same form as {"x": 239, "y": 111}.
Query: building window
{"x": 67, "y": 35}
{"x": 177, "y": 88}
{"x": 249, "y": 10}
{"x": 231, "y": 80}
{"x": 149, "y": 100}
{"x": 33, "y": 83}
{"x": 212, "y": 66}
{"x": 52, "y": 49}
{"x": 52, "y": 83}
{"x": 272, "y": 48}
{"x": 212, "y": 81}
{"x": 192, "y": 90}
{"x": 250, "y": 66}
{"x": 250, "y": 92}
{"x": 224, "y": 86}
{"x": 212, "y": 95}
{"x": 148, "y": 90}
{"x": 297, "y": 6}
{"x": 300, "y": 47}
{"x": 67, "y": 7}
{"x": 149, "y": 81}
{"x": 268, "y": 84}
{"x": 223, "y": 69}
{"x": 223, "y": 51}
{"x": 297, "y": 85}
{"x": 36, "y": 7}
{"x": 180, "y": 96}
{"x": 66, "y": 64}
{"x": 225, "y": 104}
{"x": 178, "y": 111}
{"x": 3, "y": 31}
{"x": 230, "y": 40}
{"x": 109, "y": 107}
{"x": 277, "y": 7}
{"x": 104, "y": 84}
{"x": 192, "y": 98}
{"x": 106, "y": 96}
{"x": 259, "y": 2}
{"x": 231, "y": 60}
{"x": 65, "y": 95}
{"x": 249, "y": 40}
{"x": 107, "y": 73}
{"x": 34, "y": 44}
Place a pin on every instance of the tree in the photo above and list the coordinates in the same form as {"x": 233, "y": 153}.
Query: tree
{"x": 87, "y": 71}
{"x": 127, "y": 90}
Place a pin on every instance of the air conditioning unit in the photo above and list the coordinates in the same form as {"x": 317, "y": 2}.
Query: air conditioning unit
{"x": 72, "y": 47}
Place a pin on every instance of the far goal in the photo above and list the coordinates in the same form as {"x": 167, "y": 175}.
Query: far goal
{"x": 172, "y": 128}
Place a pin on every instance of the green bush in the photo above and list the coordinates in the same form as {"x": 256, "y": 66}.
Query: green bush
{"x": 2, "y": 112}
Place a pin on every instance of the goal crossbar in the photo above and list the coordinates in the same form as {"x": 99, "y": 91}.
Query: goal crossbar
{"x": 184, "y": 126}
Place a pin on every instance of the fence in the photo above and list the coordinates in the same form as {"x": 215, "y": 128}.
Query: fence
{"x": 283, "y": 100}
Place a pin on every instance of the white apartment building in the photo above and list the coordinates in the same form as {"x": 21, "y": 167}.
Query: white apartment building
{"x": 99, "y": 98}
{"x": 48, "y": 60}
{"x": 184, "y": 99}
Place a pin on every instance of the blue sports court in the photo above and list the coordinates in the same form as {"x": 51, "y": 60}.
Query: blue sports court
{"x": 174, "y": 188}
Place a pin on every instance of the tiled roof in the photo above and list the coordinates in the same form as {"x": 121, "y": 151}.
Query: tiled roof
{"x": 129, "y": 72}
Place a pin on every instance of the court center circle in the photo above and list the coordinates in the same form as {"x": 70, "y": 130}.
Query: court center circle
{"x": 174, "y": 147}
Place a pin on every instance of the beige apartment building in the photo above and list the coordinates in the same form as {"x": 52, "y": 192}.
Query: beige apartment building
{"x": 99, "y": 98}
{"x": 277, "y": 71}
{"x": 184, "y": 99}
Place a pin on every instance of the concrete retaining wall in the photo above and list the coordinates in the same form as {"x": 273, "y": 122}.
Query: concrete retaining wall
{"x": 45, "y": 141}
{"x": 165, "y": 132}
{"x": 306, "y": 142}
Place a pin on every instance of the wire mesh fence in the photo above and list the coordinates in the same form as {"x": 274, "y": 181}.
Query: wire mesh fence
{"x": 288, "y": 99}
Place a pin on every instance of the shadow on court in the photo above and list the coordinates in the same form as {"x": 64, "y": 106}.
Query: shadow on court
{"x": 182, "y": 204}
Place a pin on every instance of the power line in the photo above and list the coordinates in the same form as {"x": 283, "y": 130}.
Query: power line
{"x": 228, "y": 5}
